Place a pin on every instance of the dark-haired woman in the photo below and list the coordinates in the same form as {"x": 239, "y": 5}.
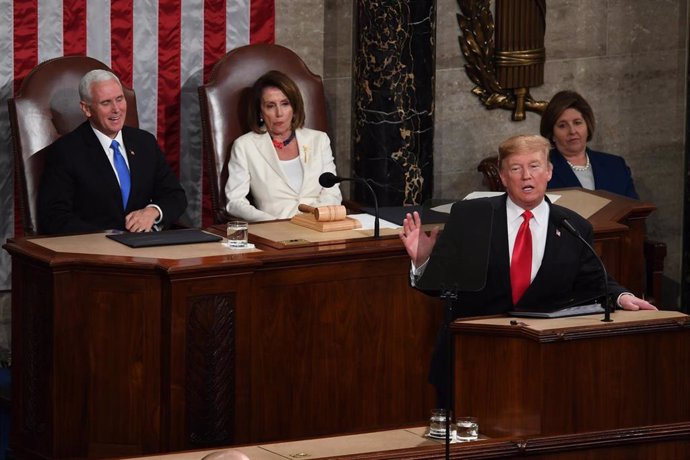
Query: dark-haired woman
{"x": 279, "y": 161}
{"x": 568, "y": 122}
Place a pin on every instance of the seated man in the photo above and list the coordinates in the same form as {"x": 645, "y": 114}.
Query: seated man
{"x": 104, "y": 175}
{"x": 532, "y": 260}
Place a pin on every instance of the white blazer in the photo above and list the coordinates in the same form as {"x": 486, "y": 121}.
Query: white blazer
{"x": 254, "y": 168}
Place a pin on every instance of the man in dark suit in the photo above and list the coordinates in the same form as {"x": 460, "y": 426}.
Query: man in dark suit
{"x": 532, "y": 261}
{"x": 104, "y": 175}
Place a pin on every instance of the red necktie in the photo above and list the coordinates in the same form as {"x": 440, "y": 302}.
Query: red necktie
{"x": 521, "y": 263}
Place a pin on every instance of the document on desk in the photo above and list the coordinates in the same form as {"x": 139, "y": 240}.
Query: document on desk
{"x": 367, "y": 221}
{"x": 579, "y": 310}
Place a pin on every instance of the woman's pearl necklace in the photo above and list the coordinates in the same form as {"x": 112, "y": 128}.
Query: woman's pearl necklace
{"x": 580, "y": 168}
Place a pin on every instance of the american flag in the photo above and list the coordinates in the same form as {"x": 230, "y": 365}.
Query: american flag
{"x": 162, "y": 49}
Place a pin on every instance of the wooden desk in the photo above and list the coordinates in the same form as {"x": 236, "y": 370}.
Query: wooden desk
{"x": 128, "y": 352}
{"x": 118, "y": 352}
{"x": 658, "y": 442}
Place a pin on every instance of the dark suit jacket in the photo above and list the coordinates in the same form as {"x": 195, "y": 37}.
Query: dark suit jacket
{"x": 79, "y": 191}
{"x": 611, "y": 173}
{"x": 568, "y": 268}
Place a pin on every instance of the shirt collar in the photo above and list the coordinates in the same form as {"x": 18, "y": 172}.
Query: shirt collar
{"x": 105, "y": 141}
{"x": 540, "y": 212}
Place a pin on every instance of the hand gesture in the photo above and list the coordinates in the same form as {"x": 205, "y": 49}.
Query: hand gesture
{"x": 630, "y": 302}
{"x": 141, "y": 220}
{"x": 417, "y": 243}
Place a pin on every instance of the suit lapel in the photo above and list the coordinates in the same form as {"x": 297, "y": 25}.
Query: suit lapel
{"x": 499, "y": 251}
{"x": 306, "y": 154}
{"x": 562, "y": 169}
{"x": 267, "y": 151}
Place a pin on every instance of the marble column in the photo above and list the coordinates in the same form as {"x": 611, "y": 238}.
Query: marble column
{"x": 393, "y": 93}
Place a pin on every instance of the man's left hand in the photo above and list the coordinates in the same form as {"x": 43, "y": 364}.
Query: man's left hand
{"x": 630, "y": 302}
{"x": 141, "y": 220}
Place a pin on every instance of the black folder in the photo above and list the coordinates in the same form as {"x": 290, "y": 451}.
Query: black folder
{"x": 164, "y": 238}
{"x": 396, "y": 214}
{"x": 586, "y": 304}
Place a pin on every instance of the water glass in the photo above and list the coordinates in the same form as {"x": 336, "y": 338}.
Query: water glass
{"x": 238, "y": 234}
{"x": 467, "y": 429}
{"x": 437, "y": 423}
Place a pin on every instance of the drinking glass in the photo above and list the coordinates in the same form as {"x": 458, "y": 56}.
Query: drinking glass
{"x": 238, "y": 234}
{"x": 467, "y": 429}
{"x": 437, "y": 423}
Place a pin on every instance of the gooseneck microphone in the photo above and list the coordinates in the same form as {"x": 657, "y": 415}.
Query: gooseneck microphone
{"x": 563, "y": 222}
{"x": 328, "y": 180}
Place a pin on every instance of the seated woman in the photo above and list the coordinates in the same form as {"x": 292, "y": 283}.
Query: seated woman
{"x": 568, "y": 122}
{"x": 279, "y": 162}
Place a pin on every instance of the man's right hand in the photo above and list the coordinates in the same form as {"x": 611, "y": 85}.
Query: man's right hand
{"x": 417, "y": 243}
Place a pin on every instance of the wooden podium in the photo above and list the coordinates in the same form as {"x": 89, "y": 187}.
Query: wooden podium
{"x": 542, "y": 377}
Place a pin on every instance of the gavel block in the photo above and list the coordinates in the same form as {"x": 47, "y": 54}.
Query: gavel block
{"x": 325, "y": 218}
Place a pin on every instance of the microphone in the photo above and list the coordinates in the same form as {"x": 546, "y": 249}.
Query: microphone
{"x": 328, "y": 180}
{"x": 562, "y": 221}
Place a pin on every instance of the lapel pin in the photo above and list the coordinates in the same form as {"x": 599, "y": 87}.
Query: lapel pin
{"x": 558, "y": 232}
{"x": 131, "y": 152}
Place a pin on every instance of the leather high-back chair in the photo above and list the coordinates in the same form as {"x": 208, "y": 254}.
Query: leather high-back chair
{"x": 224, "y": 102}
{"x": 45, "y": 108}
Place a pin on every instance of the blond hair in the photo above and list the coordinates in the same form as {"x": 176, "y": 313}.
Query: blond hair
{"x": 523, "y": 143}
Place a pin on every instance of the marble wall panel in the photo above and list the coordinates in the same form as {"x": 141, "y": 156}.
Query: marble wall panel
{"x": 575, "y": 29}
{"x": 448, "y": 55}
{"x": 338, "y": 21}
{"x": 642, "y": 25}
{"x": 300, "y": 27}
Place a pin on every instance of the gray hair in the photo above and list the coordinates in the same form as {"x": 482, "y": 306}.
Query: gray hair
{"x": 94, "y": 76}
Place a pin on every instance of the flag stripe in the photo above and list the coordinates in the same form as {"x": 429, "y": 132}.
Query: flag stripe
{"x": 25, "y": 39}
{"x": 98, "y": 32}
{"x": 237, "y": 20}
{"x": 262, "y": 22}
{"x": 74, "y": 27}
{"x": 145, "y": 64}
{"x": 193, "y": 31}
{"x": 25, "y": 58}
{"x": 7, "y": 210}
{"x": 214, "y": 33}
{"x": 121, "y": 20}
{"x": 49, "y": 29}
{"x": 169, "y": 14}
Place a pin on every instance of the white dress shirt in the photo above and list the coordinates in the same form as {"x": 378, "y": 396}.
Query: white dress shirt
{"x": 105, "y": 142}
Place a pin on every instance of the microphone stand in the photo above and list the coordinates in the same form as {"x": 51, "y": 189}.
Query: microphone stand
{"x": 607, "y": 307}
{"x": 449, "y": 296}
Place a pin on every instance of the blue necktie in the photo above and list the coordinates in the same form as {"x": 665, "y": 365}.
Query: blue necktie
{"x": 122, "y": 172}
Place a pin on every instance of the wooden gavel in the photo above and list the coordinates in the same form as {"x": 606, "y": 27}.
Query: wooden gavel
{"x": 328, "y": 213}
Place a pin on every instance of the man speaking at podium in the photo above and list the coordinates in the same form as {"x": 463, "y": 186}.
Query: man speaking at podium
{"x": 508, "y": 252}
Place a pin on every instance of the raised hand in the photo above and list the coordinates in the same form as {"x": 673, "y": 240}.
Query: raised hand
{"x": 417, "y": 243}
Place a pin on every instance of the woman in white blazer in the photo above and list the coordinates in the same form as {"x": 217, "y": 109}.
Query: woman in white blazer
{"x": 279, "y": 162}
